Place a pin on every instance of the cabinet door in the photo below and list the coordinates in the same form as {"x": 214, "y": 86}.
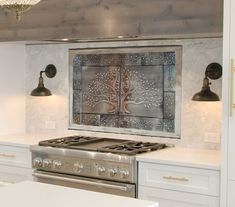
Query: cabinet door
{"x": 168, "y": 198}
{"x": 231, "y": 150}
{"x": 231, "y": 76}
{"x": 231, "y": 190}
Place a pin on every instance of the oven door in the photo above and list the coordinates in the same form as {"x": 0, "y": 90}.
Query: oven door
{"x": 103, "y": 186}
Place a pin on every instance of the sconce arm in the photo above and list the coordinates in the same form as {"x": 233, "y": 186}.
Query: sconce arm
{"x": 41, "y": 72}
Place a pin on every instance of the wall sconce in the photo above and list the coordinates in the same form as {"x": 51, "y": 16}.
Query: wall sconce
{"x": 50, "y": 72}
{"x": 214, "y": 72}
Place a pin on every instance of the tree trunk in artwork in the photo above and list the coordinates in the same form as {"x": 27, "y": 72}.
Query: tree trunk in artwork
{"x": 120, "y": 89}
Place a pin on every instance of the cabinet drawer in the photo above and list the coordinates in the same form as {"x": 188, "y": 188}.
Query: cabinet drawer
{"x": 10, "y": 175}
{"x": 15, "y": 156}
{"x": 178, "y": 178}
{"x": 167, "y": 198}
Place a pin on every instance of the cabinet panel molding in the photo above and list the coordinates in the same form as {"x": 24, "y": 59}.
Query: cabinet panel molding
{"x": 179, "y": 178}
{"x": 168, "y": 198}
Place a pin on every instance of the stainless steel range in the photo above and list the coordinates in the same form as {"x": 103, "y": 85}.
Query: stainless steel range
{"x": 98, "y": 164}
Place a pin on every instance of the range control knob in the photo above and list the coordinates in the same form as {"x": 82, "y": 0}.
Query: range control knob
{"x": 124, "y": 173}
{"x": 37, "y": 162}
{"x": 101, "y": 170}
{"x": 78, "y": 167}
{"x": 57, "y": 164}
{"x": 113, "y": 172}
{"x": 47, "y": 163}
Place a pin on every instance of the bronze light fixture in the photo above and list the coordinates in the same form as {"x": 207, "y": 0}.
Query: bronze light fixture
{"x": 214, "y": 72}
{"x": 50, "y": 72}
{"x": 18, "y": 6}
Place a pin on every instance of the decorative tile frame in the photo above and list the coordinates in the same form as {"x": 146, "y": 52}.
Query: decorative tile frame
{"x": 135, "y": 90}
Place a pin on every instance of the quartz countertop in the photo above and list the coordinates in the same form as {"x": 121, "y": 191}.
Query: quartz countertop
{"x": 189, "y": 157}
{"x": 199, "y": 158}
{"x": 33, "y": 194}
{"x": 26, "y": 140}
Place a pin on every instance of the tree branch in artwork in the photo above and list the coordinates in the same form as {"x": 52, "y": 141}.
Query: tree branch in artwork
{"x": 103, "y": 90}
{"x": 137, "y": 89}
{"x": 134, "y": 89}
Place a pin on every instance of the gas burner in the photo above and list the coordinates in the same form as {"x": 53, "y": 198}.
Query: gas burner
{"x": 133, "y": 148}
{"x": 66, "y": 141}
{"x": 116, "y": 146}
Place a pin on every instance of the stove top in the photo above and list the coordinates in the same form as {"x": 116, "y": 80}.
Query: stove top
{"x": 93, "y": 157}
{"x": 117, "y": 146}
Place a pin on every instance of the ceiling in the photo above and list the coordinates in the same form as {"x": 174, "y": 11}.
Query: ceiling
{"x": 92, "y": 19}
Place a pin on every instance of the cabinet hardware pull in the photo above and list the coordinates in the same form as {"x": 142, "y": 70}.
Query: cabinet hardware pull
{"x": 175, "y": 178}
{"x": 7, "y": 155}
{"x": 232, "y": 105}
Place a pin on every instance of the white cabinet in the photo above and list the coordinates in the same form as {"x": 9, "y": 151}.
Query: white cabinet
{"x": 231, "y": 150}
{"x": 228, "y": 133}
{"x": 178, "y": 186}
{"x": 230, "y": 61}
{"x": 231, "y": 197}
{"x": 15, "y": 164}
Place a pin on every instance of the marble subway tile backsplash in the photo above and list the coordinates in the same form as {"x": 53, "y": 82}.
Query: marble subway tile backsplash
{"x": 197, "y": 119}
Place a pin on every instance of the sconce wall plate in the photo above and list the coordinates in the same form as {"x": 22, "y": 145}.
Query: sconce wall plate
{"x": 50, "y": 71}
{"x": 214, "y": 71}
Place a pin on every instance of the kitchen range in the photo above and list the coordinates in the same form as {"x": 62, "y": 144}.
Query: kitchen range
{"x": 97, "y": 164}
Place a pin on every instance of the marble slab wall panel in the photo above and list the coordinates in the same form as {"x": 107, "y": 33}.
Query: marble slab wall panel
{"x": 197, "y": 119}
{"x": 55, "y": 19}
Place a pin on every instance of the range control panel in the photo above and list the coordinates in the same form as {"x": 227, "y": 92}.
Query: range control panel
{"x": 84, "y": 167}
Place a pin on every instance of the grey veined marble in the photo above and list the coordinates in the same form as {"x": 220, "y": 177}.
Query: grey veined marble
{"x": 130, "y": 89}
{"x": 196, "y": 119}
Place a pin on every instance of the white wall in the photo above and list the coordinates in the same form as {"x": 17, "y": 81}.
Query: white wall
{"x": 12, "y": 88}
{"x": 200, "y": 121}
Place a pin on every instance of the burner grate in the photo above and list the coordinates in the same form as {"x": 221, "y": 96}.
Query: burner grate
{"x": 67, "y": 141}
{"x": 132, "y": 147}
{"x": 117, "y": 146}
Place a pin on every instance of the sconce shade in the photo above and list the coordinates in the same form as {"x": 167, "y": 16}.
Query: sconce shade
{"x": 41, "y": 90}
{"x": 205, "y": 95}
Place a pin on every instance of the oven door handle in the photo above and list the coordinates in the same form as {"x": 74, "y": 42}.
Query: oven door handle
{"x": 86, "y": 182}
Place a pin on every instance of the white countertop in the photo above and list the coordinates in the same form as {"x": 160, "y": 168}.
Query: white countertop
{"x": 28, "y": 139}
{"x": 199, "y": 158}
{"x": 33, "y": 194}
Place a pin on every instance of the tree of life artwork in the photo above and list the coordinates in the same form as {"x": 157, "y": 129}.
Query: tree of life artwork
{"x": 125, "y": 90}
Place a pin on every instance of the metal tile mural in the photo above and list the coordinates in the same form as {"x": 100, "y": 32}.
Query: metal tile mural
{"x": 130, "y": 90}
